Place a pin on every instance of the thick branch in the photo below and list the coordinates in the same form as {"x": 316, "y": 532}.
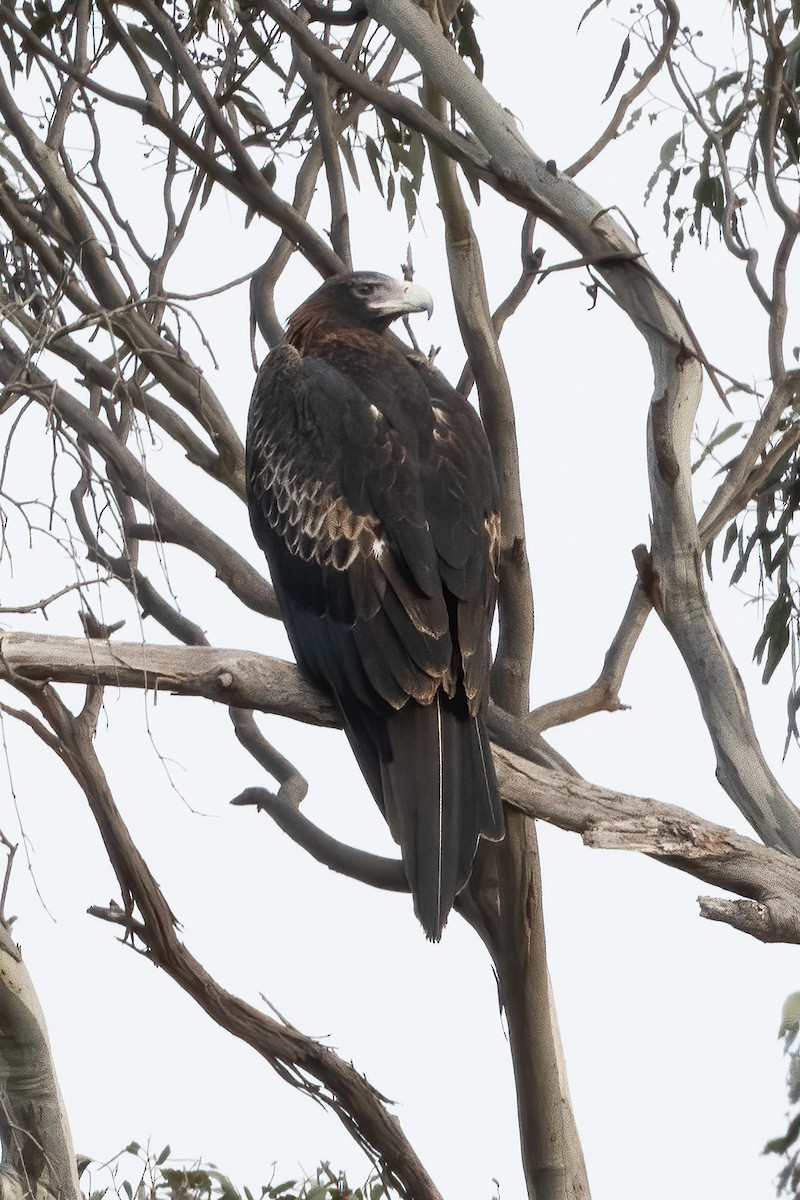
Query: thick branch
{"x": 534, "y": 779}
{"x": 551, "y": 1147}
{"x": 239, "y": 678}
{"x": 614, "y": 820}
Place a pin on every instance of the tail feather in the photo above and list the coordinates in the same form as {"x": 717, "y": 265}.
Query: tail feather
{"x": 438, "y": 792}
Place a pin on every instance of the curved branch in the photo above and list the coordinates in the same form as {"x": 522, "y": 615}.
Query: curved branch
{"x": 672, "y": 835}
{"x": 387, "y": 874}
{"x": 603, "y": 695}
{"x": 670, "y": 18}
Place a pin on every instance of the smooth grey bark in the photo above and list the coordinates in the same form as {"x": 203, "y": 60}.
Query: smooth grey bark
{"x": 38, "y": 1156}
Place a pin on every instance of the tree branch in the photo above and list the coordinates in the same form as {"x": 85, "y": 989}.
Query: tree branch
{"x": 238, "y": 678}
{"x": 680, "y": 839}
{"x": 305, "y": 1063}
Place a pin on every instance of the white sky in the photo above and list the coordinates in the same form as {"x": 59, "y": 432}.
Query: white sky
{"x": 669, "y": 1022}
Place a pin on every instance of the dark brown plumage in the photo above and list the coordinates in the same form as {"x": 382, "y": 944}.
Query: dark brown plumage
{"x": 372, "y": 494}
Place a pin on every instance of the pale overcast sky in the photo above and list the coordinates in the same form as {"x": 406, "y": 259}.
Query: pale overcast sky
{"x": 669, "y": 1022}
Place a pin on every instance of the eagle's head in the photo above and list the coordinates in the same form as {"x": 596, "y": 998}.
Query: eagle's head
{"x": 368, "y": 298}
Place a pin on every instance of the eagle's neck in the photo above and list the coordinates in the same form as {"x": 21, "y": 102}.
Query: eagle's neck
{"x": 314, "y": 329}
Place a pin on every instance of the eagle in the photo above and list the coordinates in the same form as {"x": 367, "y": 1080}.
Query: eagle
{"x": 371, "y": 491}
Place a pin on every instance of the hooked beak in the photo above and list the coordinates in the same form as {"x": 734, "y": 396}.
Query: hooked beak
{"x": 416, "y": 299}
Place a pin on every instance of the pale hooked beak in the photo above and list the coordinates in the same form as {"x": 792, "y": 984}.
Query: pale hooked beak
{"x": 417, "y": 299}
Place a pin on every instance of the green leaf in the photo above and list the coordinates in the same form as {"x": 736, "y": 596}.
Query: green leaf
{"x": 410, "y": 199}
{"x": 775, "y": 637}
{"x": 415, "y": 158}
{"x": 253, "y": 113}
{"x": 730, "y": 538}
{"x": 595, "y": 4}
{"x": 261, "y": 49}
{"x": 781, "y": 1145}
{"x": 164, "y": 1155}
{"x": 709, "y": 193}
{"x": 620, "y": 67}
{"x": 466, "y": 40}
{"x": 208, "y": 188}
{"x": 347, "y": 155}
{"x": 10, "y": 51}
{"x": 150, "y": 46}
{"x": 790, "y": 1015}
{"x": 200, "y": 14}
{"x": 375, "y": 160}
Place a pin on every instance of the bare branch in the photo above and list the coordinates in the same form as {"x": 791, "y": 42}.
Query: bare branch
{"x": 238, "y": 678}
{"x": 511, "y": 669}
{"x": 385, "y": 873}
{"x": 176, "y": 522}
{"x": 319, "y": 90}
{"x": 603, "y": 695}
{"x": 614, "y": 820}
{"x": 670, "y": 18}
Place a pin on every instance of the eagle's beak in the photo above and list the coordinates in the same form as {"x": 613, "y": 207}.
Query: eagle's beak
{"x": 416, "y": 299}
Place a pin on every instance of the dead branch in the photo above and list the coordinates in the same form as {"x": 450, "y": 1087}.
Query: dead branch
{"x": 238, "y": 678}
{"x": 680, "y": 839}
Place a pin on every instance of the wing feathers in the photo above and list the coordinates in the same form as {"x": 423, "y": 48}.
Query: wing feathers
{"x": 372, "y": 493}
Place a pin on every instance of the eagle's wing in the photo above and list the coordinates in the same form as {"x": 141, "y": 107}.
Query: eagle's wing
{"x": 462, "y": 507}
{"x": 337, "y": 505}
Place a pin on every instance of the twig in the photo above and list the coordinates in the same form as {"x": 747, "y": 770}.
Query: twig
{"x": 387, "y": 874}
{"x": 670, "y": 17}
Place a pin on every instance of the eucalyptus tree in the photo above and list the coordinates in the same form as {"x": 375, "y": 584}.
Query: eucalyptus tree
{"x": 272, "y": 106}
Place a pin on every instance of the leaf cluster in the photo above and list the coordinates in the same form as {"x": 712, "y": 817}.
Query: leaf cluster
{"x": 159, "y": 1177}
{"x": 788, "y": 1143}
{"x": 765, "y": 536}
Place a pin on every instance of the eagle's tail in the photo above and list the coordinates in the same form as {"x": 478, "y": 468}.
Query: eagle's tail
{"x": 434, "y": 778}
